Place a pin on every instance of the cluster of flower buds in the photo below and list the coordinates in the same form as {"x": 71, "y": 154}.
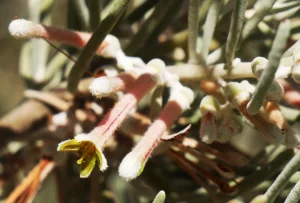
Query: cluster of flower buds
{"x": 140, "y": 82}
{"x": 218, "y": 122}
{"x": 269, "y": 120}
{"x": 137, "y": 80}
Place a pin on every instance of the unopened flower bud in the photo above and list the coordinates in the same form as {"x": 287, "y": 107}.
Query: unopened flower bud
{"x": 133, "y": 163}
{"x": 258, "y": 65}
{"x": 237, "y": 93}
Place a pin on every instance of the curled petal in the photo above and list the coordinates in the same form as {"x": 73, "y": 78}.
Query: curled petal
{"x": 69, "y": 145}
{"x": 87, "y": 166}
{"x": 101, "y": 160}
{"x": 172, "y": 136}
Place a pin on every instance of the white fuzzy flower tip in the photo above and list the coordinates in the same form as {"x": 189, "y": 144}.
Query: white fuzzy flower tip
{"x": 130, "y": 167}
{"x": 113, "y": 47}
{"x": 159, "y": 68}
{"x": 156, "y": 64}
{"x": 184, "y": 96}
{"x": 21, "y": 28}
{"x": 101, "y": 87}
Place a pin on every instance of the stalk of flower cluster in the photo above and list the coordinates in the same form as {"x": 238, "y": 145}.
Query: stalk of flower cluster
{"x": 133, "y": 163}
{"x": 104, "y": 86}
{"x": 23, "y": 29}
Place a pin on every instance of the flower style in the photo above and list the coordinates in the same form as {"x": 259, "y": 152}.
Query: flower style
{"x": 109, "y": 48}
{"x": 23, "y": 29}
{"x": 133, "y": 163}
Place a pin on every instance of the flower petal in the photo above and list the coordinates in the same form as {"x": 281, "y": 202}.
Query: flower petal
{"x": 87, "y": 165}
{"x": 69, "y": 145}
{"x": 208, "y": 128}
{"x": 102, "y": 160}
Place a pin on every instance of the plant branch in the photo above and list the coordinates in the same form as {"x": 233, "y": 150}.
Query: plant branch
{"x": 283, "y": 178}
{"x": 236, "y": 24}
{"x": 268, "y": 74}
{"x": 209, "y": 28}
{"x": 193, "y": 16}
{"x": 294, "y": 196}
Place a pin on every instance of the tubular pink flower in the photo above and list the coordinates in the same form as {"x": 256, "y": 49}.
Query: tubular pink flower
{"x": 90, "y": 145}
{"x": 23, "y": 29}
{"x": 116, "y": 116}
{"x": 133, "y": 163}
